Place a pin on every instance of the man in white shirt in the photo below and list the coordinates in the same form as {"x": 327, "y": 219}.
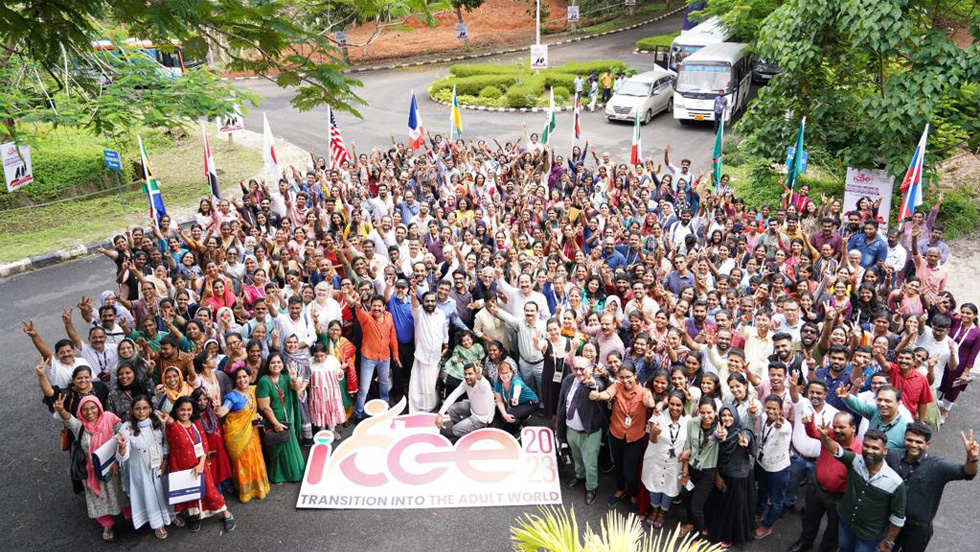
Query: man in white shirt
{"x": 897, "y": 254}
{"x": 100, "y": 355}
{"x": 790, "y": 322}
{"x": 806, "y": 449}
{"x": 471, "y": 414}
{"x": 431, "y": 342}
{"x": 530, "y": 331}
{"x": 296, "y": 322}
{"x": 521, "y": 295}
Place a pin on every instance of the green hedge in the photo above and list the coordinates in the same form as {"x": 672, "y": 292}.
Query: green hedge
{"x": 472, "y": 85}
{"x": 652, "y": 42}
{"x": 521, "y": 86}
{"x": 69, "y": 162}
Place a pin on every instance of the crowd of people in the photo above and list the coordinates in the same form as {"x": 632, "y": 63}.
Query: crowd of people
{"x": 727, "y": 364}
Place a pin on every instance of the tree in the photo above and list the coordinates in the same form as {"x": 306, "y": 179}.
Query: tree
{"x": 468, "y": 5}
{"x": 868, "y": 76}
{"x": 259, "y": 37}
{"x": 742, "y": 17}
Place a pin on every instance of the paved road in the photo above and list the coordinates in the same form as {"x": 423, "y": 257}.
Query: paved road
{"x": 387, "y": 94}
{"x": 40, "y": 512}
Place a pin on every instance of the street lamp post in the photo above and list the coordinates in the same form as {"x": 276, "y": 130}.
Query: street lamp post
{"x": 537, "y": 22}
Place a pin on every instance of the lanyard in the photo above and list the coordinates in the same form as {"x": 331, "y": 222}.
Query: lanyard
{"x": 961, "y": 336}
{"x": 188, "y": 433}
{"x": 673, "y": 433}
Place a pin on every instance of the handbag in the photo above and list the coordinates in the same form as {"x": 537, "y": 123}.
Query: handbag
{"x": 273, "y": 437}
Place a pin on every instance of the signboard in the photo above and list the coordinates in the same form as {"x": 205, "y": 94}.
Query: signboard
{"x": 340, "y": 37}
{"x": 630, "y": 2}
{"x": 17, "y": 165}
{"x": 231, "y": 123}
{"x": 869, "y": 184}
{"x": 112, "y": 160}
{"x": 539, "y": 56}
{"x": 462, "y": 31}
{"x": 790, "y": 152}
{"x": 394, "y": 461}
{"x": 573, "y": 14}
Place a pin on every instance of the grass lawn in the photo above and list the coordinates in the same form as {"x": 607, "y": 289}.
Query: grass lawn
{"x": 651, "y": 42}
{"x": 642, "y": 13}
{"x": 37, "y": 230}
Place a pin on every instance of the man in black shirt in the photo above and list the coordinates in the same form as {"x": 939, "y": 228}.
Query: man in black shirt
{"x": 925, "y": 479}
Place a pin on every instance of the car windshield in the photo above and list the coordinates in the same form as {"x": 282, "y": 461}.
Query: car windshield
{"x": 635, "y": 88}
{"x": 704, "y": 78}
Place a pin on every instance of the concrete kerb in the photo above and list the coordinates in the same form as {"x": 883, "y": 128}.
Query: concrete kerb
{"x": 420, "y": 63}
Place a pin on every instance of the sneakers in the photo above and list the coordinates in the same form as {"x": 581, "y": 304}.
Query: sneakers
{"x": 614, "y": 500}
{"x": 762, "y": 532}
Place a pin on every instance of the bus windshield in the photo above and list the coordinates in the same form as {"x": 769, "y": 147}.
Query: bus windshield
{"x": 704, "y": 78}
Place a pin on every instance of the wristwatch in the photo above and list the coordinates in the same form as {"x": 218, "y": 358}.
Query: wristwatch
{"x": 888, "y": 544}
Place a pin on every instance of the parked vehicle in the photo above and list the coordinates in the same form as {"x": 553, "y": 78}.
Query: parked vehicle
{"x": 716, "y": 69}
{"x": 648, "y": 93}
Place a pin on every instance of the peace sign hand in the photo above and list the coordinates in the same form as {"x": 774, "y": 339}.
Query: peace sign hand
{"x": 743, "y": 440}
{"x": 842, "y": 390}
{"x": 972, "y": 447}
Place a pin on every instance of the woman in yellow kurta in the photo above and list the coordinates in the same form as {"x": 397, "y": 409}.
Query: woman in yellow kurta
{"x": 242, "y": 439}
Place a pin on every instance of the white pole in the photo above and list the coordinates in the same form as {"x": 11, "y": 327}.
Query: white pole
{"x": 537, "y": 22}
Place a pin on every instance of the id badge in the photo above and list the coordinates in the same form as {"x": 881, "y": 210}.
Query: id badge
{"x": 198, "y": 450}
{"x": 155, "y": 458}
{"x": 628, "y": 422}
{"x": 671, "y": 453}
{"x": 558, "y": 376}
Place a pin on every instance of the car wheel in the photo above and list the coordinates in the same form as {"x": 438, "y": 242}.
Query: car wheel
{"x": 684, "y": 122}
{"x": 648, "y": 116}
{"x": 670, "y": 105}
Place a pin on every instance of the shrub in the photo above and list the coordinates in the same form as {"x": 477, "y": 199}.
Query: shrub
{"x": 472, "y": 85}
{"x": 651, "y": 42}
{"x": 473, "y": 69}
{"x": 561, "y": 94}
{"x": 491, "y": 92}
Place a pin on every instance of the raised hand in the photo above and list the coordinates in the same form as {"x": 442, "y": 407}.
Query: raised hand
{"x": 842, "y": 390}
{"x": 743, "y": 440}
{"x": 972, "y": 447}
{"x": 29, "y": 328}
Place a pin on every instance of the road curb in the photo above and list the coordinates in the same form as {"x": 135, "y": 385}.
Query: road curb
{"x": 452, "y": 59}
{"x": 513, "y": 109}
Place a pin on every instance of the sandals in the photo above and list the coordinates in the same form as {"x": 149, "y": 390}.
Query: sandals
{"x": 178, "y": 521}
{"x": 108, "y": 535}
{"x": 160, "y": 533}
{"x": 229, "y": 524}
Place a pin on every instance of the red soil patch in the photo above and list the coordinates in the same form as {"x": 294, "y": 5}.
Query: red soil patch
{"x": 495, "y": 23}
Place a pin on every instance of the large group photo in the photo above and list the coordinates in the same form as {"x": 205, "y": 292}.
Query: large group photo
{"x": 700, "y": 283}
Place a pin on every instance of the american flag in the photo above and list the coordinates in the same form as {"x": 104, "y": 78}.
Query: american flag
{"x": 335, "y": 144}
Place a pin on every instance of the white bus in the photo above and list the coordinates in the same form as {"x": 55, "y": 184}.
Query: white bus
{"x": 709, "y": 31}
{"x": 724, "y": 68}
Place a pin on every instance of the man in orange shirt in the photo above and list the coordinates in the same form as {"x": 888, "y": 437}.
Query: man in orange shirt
{"x": 379, "y": 347}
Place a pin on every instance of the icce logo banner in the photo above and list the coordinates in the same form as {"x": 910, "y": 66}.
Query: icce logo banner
{"x": 395, "y": 461}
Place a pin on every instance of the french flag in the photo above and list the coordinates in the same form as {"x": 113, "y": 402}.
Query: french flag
{"x": 912, "y": 183}
{"x": 416, "y": 132}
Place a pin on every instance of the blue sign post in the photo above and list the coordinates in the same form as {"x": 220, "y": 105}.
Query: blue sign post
{"x": 114, "y": 163}
{"x": 112, "y": 160}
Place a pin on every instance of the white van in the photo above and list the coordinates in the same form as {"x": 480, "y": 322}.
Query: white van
{"x": 709, "y": 31}
{"x": 724, "y": 69}
{"x": 647, "y": 94}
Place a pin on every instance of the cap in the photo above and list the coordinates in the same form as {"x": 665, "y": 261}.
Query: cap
{"x": 402, "y": 282}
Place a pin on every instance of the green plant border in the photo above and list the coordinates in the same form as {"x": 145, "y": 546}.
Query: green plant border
{"x": 522, "y": 87}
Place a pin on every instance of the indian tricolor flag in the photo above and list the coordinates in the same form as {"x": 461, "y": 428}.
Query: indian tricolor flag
{"x": 635, "y": 150}
{"x": 550, "y": 122}
{"x": 576, "y": 120}
{"x": 151, "y": 186}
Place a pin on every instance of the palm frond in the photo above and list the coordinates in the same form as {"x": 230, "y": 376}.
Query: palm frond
{"x": 554, "y": 530}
